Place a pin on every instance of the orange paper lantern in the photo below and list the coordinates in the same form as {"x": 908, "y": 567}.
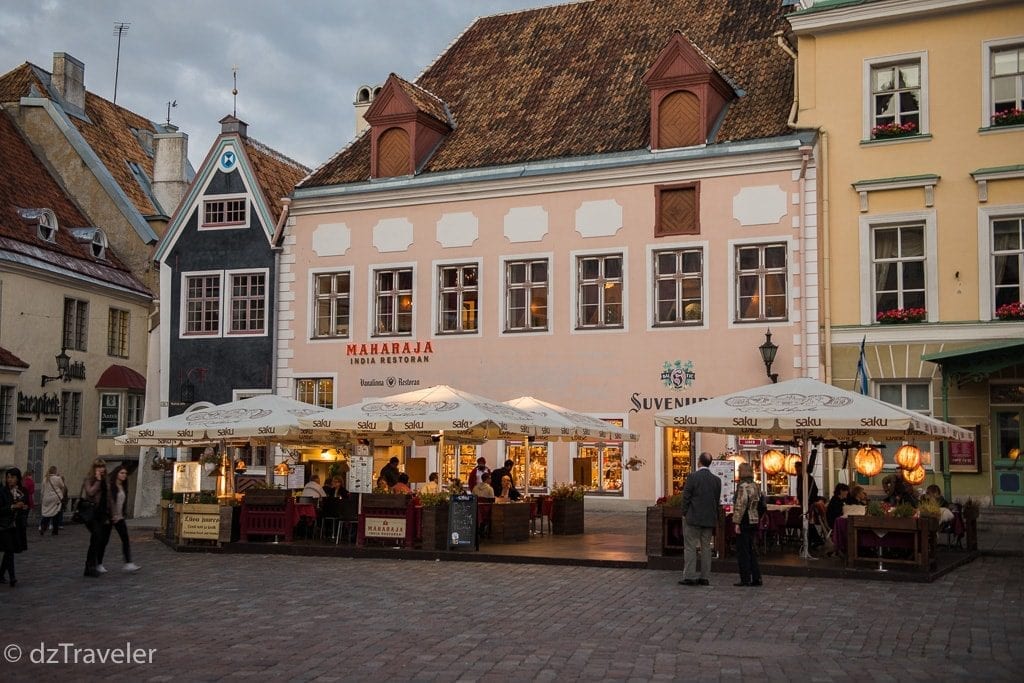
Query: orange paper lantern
{"x": 914, "y": 476}
{"x": 868, "y": 461}
{"x": 791, "y": 460}
{"x": 1013, "y": 454}
{"x": 908, "y": 457}
{"x": 772, "y": 462}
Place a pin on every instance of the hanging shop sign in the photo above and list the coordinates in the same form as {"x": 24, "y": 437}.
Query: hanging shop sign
{"x": 382, "y": 353}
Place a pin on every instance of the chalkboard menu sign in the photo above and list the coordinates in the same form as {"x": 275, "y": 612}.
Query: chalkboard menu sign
{"x": 462, "y": 521}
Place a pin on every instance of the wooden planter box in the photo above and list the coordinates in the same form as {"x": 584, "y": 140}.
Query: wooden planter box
{"x": 391, "y": 501}
{"x": 566, "y": 516}
{"x": 435, "y": 528}
{"x": 267, "y": 497}
{"x": 510, "y": 522}
{"x": 919, "y": 531}
{"x": 664, "y": 530}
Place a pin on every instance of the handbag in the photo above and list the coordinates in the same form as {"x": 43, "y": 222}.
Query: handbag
{"x": 85, "y": 511}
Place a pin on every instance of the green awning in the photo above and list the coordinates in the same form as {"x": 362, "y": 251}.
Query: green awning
{"x": 976, "y": 363}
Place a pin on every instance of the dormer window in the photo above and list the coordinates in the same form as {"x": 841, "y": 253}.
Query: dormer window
{"x": 47, "y": 226}
{"x": 688, "y": 95}
{"x": 225, "y": 212}
{"x": 407, "y": 126}
{"x": 99, "y": 244}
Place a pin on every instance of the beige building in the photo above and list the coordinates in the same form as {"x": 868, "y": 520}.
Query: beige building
{"x": 922, "y": 205}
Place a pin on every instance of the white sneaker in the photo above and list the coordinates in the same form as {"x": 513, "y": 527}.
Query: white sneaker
{"x": 101, "y": 569}
{"x": 132, "y": 567}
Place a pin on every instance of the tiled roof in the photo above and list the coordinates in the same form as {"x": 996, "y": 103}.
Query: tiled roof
{"x": 426, "y": 102}
{"x": 9, "y": 360}
{"x": 276, "y": 173}
{"x": 565, "y": 81}
{"x": 26, "y": 184}
{"x": 108, "y": 131}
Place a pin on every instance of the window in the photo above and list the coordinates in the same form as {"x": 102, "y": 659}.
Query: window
{"x": 526, "y": 295}
{"x": 110, "y": 414}
{"x": 202, "y": 305}
{"x": 98, "y": 244}
{"x": 896, "y": 97}
{"x": 679, "y": 121}
{"x": 332, "y": 292}
{"x": 117, "y": 333}
{"x": 76, "y": 320}
{"x": 394, "y": 305}
{"x": 915, "y": 396}
{"x": 761, "y": 276}
{"x": 248, "y": 303}
{"x": 71, "y": 413}
{"x": 538, "y": 465}
{"x": 225, "y": 212}
{"x": 458, "y": 305}
{"x": 7, "y": 404}
{"x": 47, "y": 226}
{"x": 133, "y": 409}
{"x": 1007, "y": 74}
{"x": 678, "y": 287}
{"x": 677, "y": 210}
{"x": 316, "y": 390}
{"x": 598, "y": 468}
{"x": 1007, "y": 260}
{"x": 899, "y": 267}
{"x": 599, "y": 291}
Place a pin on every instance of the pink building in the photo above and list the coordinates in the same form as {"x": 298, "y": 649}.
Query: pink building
{"x": 578, "y": 203}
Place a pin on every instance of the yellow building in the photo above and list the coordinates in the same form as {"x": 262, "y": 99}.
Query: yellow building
{"x": 922, "y": 212}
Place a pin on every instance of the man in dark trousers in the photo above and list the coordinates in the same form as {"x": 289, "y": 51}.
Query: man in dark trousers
{"x": 701, "y": 497}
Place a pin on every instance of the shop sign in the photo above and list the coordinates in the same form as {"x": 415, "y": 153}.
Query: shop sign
{"x": 385, "y": 527}
{"x": 389, "y": 382}
{"x": 198, "y": 525}
{"x": 677, "y": 375}
{"x": 660, "y": 403}
{"x": 963, "y": 455}
{"x": 47, "y": 405}
{"x": 380, "y": 353}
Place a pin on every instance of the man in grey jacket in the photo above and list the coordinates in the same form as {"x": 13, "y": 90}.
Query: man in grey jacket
{"x": 701, "y": 495}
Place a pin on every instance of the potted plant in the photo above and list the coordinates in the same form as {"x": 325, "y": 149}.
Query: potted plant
{"x": 434, "y": 521}
{"x": 567, "y": 509}
{"x": 1014, "y": 311}
{"x": 1009, "y": 117}
{"x": 665, "y": 525}
{"x": 887, "y": 131}
{"x": 896, "y": 316}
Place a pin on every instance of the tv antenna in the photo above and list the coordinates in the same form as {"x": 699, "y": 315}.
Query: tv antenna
{"x": 120, "y": 28}
{"x": 234, "y": 91}
{"x": 170, "y": 105}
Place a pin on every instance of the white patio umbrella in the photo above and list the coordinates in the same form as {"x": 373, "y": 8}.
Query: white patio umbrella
{"x": 807, "y": 409}
{"x": 575, "y": 426}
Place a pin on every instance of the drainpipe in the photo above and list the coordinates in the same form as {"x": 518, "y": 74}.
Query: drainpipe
{"x": 274, "y": 335}
{"x": 805, "y": 155}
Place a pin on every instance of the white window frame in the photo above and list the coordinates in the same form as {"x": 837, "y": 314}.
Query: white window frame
{"x": 110, "y": 400}
{"x": 112, "y": 336}
{"x": 99, "y": 245}
{"x": 227, "y": 300}
{"x": 986, "y": 214}
{"x": 987, "y": 48}
{"x": 867, "y": 110}
{"x": 46, "y": 226}
{"x": 791, "y": 267}
{"x": 8, "y": 408}
{"x": 224, "y": 305}
{"x": 574, "y": 284}
{"x": 889, "y": 454}
{"x": 314, "y": 294}
{"x": 705, "y": 299}
{"x": 333, "y": 376}
{"x": 902, "y": 291}
{"x": 209, "y": 199}
{"x": 867, "y": 262}
{"x": 503, "y": 321}
{"x": 139, "y": 409}
{"x": 435, "y": 313}
{"x": 371, "y": 300}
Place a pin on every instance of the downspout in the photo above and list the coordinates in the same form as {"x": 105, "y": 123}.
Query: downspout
{"x": 275, "y": 245}
{"x": 823, "y": 214}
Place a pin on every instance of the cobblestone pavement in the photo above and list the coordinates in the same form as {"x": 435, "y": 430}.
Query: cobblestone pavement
{"x": 213, "y": 617}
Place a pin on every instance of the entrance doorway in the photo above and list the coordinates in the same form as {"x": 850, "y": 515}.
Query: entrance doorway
{"x": 1007, "y": 435}
{"x": 36, "y": 447}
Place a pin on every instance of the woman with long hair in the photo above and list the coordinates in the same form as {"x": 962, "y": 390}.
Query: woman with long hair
{"x": 55, "y": 492}
{"x": 96, "y": 493}
{"x": 118, "y": 511}
{"x": 13, "y": 523}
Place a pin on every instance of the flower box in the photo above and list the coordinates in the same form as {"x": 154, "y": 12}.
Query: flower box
{"x": 894, "y": 130}
{"x": 897, "y": 316}
{"x": 664, "y": 530}
{"x": 1010, "y": 117}
{"x": 566, "y": 516}
{"x": 1014, "y": 311}
{"x": 388, "y": 501}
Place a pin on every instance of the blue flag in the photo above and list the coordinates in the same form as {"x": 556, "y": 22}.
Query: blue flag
{"x": 862, "y": 370}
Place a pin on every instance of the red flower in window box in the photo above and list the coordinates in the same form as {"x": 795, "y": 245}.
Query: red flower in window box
{"x": 895, "y": 316}
{"x": 893, "y": 130}
{"x": 1014, "y": 311}
{"x": 1010, "y": 117}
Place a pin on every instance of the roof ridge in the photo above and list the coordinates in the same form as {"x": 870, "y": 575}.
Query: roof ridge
{"x": 271, "y": 152}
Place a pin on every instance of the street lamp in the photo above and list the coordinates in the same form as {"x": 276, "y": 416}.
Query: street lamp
{"x": 768, "y": 351}
{"x": 63, "y": 365}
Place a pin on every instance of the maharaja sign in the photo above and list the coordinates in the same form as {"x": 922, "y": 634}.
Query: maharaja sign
{"x": 389, "y": 352}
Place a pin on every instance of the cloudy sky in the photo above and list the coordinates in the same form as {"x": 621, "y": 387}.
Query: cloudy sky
{"x": 299, "y": 62}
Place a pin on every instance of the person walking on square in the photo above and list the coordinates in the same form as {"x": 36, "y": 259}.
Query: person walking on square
{"x": 745, "y": 516}
{"x": 118, "y": 511}
{"x": 96, "y": 492}
{"x": 55, "y": 492}
{"x": 701, "y": 495}
{"x": 13, "y": 520}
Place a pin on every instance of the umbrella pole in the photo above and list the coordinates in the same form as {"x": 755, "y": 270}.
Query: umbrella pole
{"x": 805, "y": 451}
{"x": 526, "y": 474}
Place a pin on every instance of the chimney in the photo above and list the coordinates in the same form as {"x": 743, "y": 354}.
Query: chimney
{"x": 170, "y": 169}
{"x": 69, "y": 80}
{"x": 364, "y": 98}
{"x": 232, "y": 124}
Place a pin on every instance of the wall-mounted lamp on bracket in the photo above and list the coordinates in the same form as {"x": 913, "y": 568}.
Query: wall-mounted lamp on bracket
{"x": 768, "y": 351}
{"x": 63, "y": 364}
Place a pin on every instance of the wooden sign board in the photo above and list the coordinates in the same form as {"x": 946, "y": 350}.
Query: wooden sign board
{"x": 462, "y": 521}
{"x": 199, "y": 525}
{"x": 963, "y": 455}
{"x": 385, "y": 527}
{"x": 187, "y": 477}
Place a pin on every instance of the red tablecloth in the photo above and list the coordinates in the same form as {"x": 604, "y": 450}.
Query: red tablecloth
{"x": 305, "y": 510}
{"x": 840, "y": 533}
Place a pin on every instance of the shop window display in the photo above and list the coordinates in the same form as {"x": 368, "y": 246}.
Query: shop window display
{"x": 679, "y": 462}
{"x": 538, "y": 465}
{"x": 598, "y": 468}
{"x": 457, "y": 462}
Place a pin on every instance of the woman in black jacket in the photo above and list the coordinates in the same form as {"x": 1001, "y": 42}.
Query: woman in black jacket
{"x": 96, "y": 492}
{"x": 13, "y": 523}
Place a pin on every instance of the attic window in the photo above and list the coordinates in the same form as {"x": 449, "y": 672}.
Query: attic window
{"x": 99, "y": 244}
{"x": 677, "y": 209}
{"x": 679, "y": 120}
{"x": 393, "y": 153}
{"x": 47, "y": 226}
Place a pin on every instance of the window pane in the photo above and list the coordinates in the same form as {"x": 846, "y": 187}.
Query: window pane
{"x": 885, "y": 277}
{"x": 883, "y": 79}
{"x": 691, "y": 262}
{"x": 1006, "y": 234}
{"x": 1007, "y": 270}
{"x": 590, "y": 268}
{"x": 913, "y": 275}
{"x": 913, "y": 241}
{"x": 886, "y": 301}
{"x": 405, "y": 279}
{"x": 774, "y": 284}
{"x": 885, "y": 105}
{"x": 749, "y": 258}
{"x": 918, "y": 397}
{"x": 891, "y": 393}
{"x": 775, "y": 257}
{"x": 910, "y": 76}
{"x": 886, "y": 243}
{"x": 1004, "y": 62}
{"x": 449, "y": 277}
{"x": 613, "y": 267}
{"x": 914, "y": 300}
{"x": 539, "y": 271}
{"x": 666, "y": 262}
{"x": 909, "y": 103}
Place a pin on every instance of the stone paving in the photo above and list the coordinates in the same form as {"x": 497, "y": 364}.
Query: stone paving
{"x": 214, "y": 617}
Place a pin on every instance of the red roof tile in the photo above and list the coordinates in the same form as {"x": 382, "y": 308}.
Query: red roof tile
{"x": 276, "y": 174}
{"x": 565, "y": 81}
{"x": 9, "y": 360}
